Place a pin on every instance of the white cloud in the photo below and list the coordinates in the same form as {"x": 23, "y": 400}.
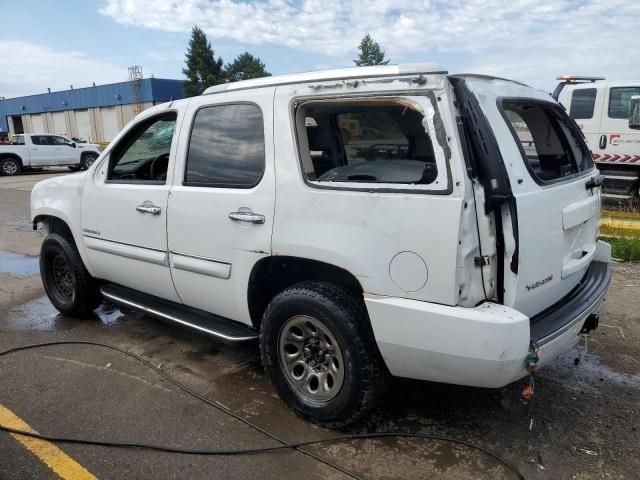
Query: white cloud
{"x": 29, "y": 68}
{"x": 527, "y": 39}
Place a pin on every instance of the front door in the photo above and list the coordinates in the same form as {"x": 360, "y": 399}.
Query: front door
{"x": 221, "y": 205}
{"x": 66, "y": 152}
{"x": 124, "y": 207}
{"x": 617, "y": 142}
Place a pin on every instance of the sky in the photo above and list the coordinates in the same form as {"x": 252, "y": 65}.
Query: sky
{"x": 58, "y": 43}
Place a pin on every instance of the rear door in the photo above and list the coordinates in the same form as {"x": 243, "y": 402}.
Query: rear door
{"x": 42, "y": 150}
{"x": 585, "y": 106}
{"x": 221, "y": 205}
{"x": 550, "y": 237}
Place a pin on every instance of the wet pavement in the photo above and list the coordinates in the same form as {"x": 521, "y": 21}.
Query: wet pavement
{"x": 585, "y": 410}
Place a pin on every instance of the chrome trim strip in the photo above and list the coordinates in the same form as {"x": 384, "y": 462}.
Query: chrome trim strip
{"x": 150, "y": 255}
{"x": 201, "y": 265}
{"x": 568, "y": 326}
{"x": 157, "y": 313}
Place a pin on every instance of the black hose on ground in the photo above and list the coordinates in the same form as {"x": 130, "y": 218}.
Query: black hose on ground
{"x": 284, "y": 445}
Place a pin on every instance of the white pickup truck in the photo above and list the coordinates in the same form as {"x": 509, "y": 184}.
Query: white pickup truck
{"x": 359, "y": 222}
{"x": 35, "y": 150}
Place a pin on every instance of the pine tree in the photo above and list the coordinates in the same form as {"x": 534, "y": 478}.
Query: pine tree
{"x": 370, "y": 53}
{"x": 244, "y": 67}
{"x": 203, "y": 69}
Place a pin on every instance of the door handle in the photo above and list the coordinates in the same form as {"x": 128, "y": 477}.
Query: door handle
{"x": 603, "y": 142}
{"x": 149, "y": 208}
{"x": 248, "y": 217}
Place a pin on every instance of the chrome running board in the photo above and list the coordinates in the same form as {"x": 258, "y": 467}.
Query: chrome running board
{"x": 199, "y": 320}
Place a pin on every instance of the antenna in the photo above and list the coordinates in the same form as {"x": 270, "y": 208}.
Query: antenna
{"x": 135, "y": 77}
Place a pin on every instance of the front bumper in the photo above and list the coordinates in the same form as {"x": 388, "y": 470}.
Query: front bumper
{"x": 485, "y": 346}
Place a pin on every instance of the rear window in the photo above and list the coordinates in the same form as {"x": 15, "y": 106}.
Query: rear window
{"x": 620, "y": 101}
{"x": 583, "y": 101}
{"x": 366, "y": 143}
{"x": 551, "y": 144}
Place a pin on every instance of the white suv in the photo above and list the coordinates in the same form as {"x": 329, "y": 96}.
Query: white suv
{"x": 360, "y": 222}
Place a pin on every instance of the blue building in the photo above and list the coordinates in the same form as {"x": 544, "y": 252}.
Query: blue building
{"x": 93, "y": 114}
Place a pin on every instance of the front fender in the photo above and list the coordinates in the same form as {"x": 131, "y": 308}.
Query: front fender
{"x": 60, "y": 197}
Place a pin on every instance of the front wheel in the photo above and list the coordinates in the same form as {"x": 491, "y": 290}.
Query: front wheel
{"x": 87, "y": 161}
{"x": 69, "y": 286}
{"x": 9, "y": 166}
{"x": 319, "y": 352}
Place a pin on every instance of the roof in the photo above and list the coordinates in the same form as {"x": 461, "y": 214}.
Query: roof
{"x": 352, "y": 73}
{"x": 155, "y": 90}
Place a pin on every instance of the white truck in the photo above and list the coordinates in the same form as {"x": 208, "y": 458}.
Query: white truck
{"x": 461, "y": 249}
{"x": 35, "y": 150}
{"x": 603, "y": 109}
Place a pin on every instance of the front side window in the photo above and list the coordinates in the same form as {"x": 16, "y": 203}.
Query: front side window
{"x": 620, "y": 101}
{"x": 143, "y": 154}
{"x": 583, "y": 101}
{"x": 226, "y": 148}
{"x": 369, "y": 142}
{"x": 551, "y": 144}
{"x": 60, "y": 141}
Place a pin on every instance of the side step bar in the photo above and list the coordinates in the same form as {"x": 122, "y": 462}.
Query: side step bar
{"x": 207, "y": 323}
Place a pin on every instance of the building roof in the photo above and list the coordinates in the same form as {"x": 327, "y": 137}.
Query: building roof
{"x": 155, "y": 90}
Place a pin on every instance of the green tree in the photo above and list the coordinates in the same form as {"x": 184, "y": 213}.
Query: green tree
{"x": 370, "y": 53}
{"x": 244, "y": 67}
{"x": 203, "y": 69}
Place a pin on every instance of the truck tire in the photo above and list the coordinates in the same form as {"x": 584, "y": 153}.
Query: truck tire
{"x": 69, "y": 286}
{"x": 9, "y": 166}
{"x": 319, "y": 352}
{"x": 88, "y": 160}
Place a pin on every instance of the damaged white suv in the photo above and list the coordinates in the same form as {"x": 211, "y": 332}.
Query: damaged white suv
{"x": 360, "y": 222}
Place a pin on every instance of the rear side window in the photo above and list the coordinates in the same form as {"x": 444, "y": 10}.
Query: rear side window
{"x": 551, "y": 144}
{"x": 366, "y": 143}
{"x": 41, "y": 139}
{"x": 226, "y": 148}
{"x": 620, "y": 101}
{"x": 583, "y": 101}
{"x": 18, "y": 140}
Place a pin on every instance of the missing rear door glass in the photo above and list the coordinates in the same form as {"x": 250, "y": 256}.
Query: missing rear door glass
{"x": 550, "y": 142}
{"x": 375, "y": 142}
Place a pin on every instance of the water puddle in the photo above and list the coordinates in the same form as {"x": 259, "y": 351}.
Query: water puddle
{"x": 39, "y": 314}
{"x": 17, "y": 264}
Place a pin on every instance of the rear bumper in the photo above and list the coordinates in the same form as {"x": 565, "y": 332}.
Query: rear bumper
{"x": 485, "y": 346}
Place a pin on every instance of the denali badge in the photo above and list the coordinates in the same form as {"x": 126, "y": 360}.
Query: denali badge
{"x": 537, "y": 284}
{"x": 97, "y": 232}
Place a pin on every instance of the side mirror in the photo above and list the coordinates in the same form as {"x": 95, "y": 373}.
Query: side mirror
{"x": 634, "y": 113}
{"x": 73, "y": 144}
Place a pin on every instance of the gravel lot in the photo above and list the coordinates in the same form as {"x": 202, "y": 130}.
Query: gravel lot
{"x": 585, "y": 424}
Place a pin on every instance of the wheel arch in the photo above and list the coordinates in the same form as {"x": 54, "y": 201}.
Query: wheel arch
{"x": 273, "y": 274}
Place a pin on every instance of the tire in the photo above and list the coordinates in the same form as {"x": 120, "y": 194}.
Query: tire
{"x": 69, "y": 286}
{"x": 88, "y": 160}
{"x": 344, "y": 349}
{"x": 9, "y": 166}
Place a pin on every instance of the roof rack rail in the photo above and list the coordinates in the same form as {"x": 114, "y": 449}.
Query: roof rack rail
{"x": 572, "y": 80}
{"x": 352, "y": 73}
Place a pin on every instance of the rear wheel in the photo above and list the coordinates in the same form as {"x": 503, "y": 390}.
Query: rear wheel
{"x": 69, "y": 286}
{"x": 319, "y": 353}
{"x": 88, "y": 160}
{"x": 9, "y": 166}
